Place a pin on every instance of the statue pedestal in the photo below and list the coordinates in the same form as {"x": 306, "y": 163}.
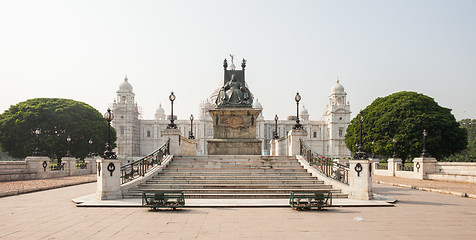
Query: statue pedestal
{"x": 234, "y": 132}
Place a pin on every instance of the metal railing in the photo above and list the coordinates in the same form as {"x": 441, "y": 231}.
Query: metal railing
{"x": 81, "y": 164}
{"x": 406, "y": 168}
{"x": 140, "y": 167}
{"x": 325, "y": 165}
{"x": 57, "y": 167}
{"x": 382, "y": 166}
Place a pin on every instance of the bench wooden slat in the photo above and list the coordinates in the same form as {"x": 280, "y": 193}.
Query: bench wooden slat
{"x": 158, "y": 199}
{"x": 308, "y": 200}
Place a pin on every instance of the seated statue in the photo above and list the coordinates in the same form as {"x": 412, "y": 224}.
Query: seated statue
{"x": 234, "y": 93}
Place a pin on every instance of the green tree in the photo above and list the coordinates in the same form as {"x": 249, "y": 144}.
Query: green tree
{"x": 57, "y": 119}
{"x": 403, "y": 116}
{"x": 469, "y": 154}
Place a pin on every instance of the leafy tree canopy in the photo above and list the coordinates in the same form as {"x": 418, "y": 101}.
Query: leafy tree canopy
{"x": 57, "y": 119}
{"x": 469, "y": 154}
{"x": 403, "y": 116}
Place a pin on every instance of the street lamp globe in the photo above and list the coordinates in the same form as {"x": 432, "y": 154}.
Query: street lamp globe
{"x": 109, "y": 116}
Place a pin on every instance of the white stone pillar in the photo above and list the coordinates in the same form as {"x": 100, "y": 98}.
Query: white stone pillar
{"x": 374, "y": 162}
{"x": 294, "y": 145}
{"x": 393, "y": 165}
{"x": 272, "y": 146}
{"x": 69, "y": 165}
{"x": 91, "y": 164}
{"x": 360, "y": 179}
{"x": 424, "y": 165}
{"x": 39, "y": 165}
{"x": 109, "y": 179}
{"x": 175, "y": 141}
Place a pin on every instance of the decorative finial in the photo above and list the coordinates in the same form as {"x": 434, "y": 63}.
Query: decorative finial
{"x": 125, "y": 79}
{"x": 225, "y": 64}
{"x": 243, "y": 64}
{"x": 337, "y": 79}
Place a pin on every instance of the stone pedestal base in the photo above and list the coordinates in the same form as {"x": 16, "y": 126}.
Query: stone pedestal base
{"x": 424, "y": 165}
{"x": 360, "y": 179}
{"x": 234, "y": 147}
{"x": 109, "y": 179}
{"x": 234, "y": 132}
{"x": 294, "y": 144}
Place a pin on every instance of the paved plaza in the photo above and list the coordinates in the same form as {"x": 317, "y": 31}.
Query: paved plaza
{"x": 418, "y": 215}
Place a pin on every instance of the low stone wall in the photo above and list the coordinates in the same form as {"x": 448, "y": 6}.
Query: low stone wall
{"x": 38, "y": 167}
{"x": 429, "y": 168}
{"x": 15, "y": 170}
{"x": 458, "y": 168}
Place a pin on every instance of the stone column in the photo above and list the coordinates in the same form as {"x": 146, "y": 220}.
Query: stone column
{"x": 39, "y": 165}
{"x": 374, "y": 162}
{"x": 393, "y": 165}
{"x": 293, "y": 141}
{"x": 360, "y": 179}
{"x": 69, "y": 165}
{"x": 424, "y": 165}
{"x": 91, "y": 164}
{"x": 109, "y": 179}
{"x": 273, "y": 147}
{"x": 175, "y": 141}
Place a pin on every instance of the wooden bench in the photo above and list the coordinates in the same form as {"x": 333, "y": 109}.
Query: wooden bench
{"x": 308, "y": 200}
{"x": 162, "y": 199}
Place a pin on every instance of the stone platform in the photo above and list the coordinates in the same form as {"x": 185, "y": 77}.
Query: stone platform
{"x": 234, "y": 132}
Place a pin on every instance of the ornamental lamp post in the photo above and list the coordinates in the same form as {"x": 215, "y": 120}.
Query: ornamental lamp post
{"x": 297, "y": 98}
{"x": 424, "y": 153}
{"x": 172, "y": 124}
{"x": 90, "y": 145}
{"x": 37, "y": 151}
{"x": 276, "y": 136}
{"x": 394, "y": 152}
{"x": 109, "y": 154}
{"x": 373, "y": 146}
{"x": 360, "y": 154}
{"x": 191, "y": 128}
{"x": 68, "y": 153}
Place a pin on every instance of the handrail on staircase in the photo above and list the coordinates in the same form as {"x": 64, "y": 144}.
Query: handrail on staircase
{"x": 324, "y": 164}
{"x": 140, "y": 167}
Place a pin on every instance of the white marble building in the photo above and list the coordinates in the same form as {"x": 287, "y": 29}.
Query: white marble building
{"x": 137, "y": 137}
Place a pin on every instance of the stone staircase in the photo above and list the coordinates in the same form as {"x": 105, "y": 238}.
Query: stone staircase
{"x": 234, "y": 177}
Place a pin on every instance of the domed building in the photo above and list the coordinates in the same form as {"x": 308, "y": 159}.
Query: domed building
{"x": 138, "y": 137}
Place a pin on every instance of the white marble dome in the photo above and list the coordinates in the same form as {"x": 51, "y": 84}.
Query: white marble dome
{"x": 257, "y": 105}
{"x": 160, "y": 110}
{"x": 337, "y": 88}
{"x": 125, "y": 86}
{"x": 304, "y": 111}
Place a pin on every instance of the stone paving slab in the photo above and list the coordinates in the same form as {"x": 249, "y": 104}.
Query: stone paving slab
{"x": 91, "y": 201}
{"x": 417, "y": 215}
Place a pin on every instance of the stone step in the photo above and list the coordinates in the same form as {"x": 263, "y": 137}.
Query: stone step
{"x": 257, "y": 169}
{"x": 233, "y": 161}
{"x": 234, "y": 173}
{"x": 232, "y": 186}
{"x": 244, "y": 165}
{"x": 233, "y": 181}
{"x": 234, "y": 157}
{"x": 232, "y": 178}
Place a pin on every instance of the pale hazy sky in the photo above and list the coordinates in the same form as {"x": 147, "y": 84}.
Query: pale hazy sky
{"x": 82, "y": 49}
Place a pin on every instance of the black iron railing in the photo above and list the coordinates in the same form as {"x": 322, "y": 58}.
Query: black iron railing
{"x": 406, "y": 167}
{"x": 382, "y": 166}
{"x": 81, "y": 164}
{"x": 140, "y": 167}
{"x": 57, "y": 167}
{"x": 326, "y": 165}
